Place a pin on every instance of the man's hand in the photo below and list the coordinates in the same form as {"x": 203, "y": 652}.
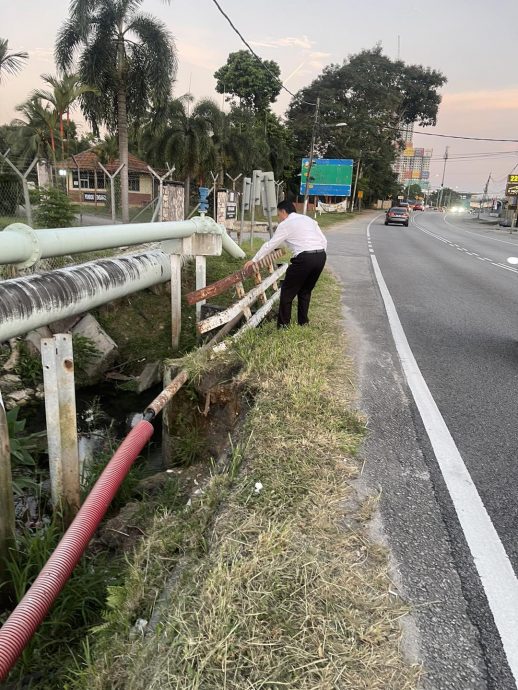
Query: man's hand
{"x": 249, "y": 264}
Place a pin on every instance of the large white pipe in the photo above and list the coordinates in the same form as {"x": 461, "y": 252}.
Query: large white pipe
{"x": 37, "y": 300}
{"x": 21, "y": 245}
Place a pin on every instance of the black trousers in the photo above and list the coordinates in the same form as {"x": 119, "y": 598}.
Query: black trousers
{"x": 300, "y": 279}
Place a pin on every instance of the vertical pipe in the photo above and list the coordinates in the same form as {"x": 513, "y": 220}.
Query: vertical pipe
{"x": 7, "y": 522}
{"x": 201, "y": 281}
{"x": 176, "y": 299}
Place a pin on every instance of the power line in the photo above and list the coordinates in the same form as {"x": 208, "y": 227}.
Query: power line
{"x": 454, "y": 136}
{"x": 222, "y": 11}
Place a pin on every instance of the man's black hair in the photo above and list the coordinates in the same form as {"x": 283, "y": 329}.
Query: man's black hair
{"x": 287, "y": 206}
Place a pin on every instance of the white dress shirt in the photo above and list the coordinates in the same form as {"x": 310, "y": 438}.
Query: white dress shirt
{"x": 300, "y": 234}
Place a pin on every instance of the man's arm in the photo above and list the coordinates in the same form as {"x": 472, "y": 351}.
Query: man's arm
{"x": 279, "y": 237}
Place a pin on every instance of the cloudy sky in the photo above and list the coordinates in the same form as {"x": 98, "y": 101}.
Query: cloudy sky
{"x": 472, "y": 42}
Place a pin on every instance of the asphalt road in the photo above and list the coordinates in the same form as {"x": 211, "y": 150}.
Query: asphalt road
{"x": 457, "y": 301}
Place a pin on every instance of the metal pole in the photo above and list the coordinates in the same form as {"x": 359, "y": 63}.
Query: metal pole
{"x": 201, "y": 281}
{"x": 161, "y": 180}
{"x": 252, "y": 220}
{"x": 215, "y": 200}
{"x": 112, "y": 187}
{"x": 443, "y": 174}
{"x": 268, "y": 209}
{"x": 60, "y": 409}
{"x": 7, "y": 517}
{"x": 311, "y": 154}
{"x": 176, "y": 299}
{"x": 234, "y": 180}
{"x": 358, "y": 165}
{"x": 25, "y": 186}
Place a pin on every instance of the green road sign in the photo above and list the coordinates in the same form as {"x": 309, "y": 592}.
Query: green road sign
{"x": 328, "y": 177}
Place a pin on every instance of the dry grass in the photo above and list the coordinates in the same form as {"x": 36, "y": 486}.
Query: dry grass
{"x": 274, "y": 590}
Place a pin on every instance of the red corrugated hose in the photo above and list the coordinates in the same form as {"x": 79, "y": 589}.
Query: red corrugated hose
{"x": 32, "y": 609}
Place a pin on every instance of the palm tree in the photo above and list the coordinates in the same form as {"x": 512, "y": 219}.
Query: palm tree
{"x": 128, "y": 56}
{"x": 187, "y": 138}
{"x": 37, "y": 133}
{"x": 64, "y": 94}
{"x": 10, "y": 63}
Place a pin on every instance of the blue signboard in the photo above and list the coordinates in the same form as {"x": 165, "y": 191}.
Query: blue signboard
{"x": 328, "y": 177}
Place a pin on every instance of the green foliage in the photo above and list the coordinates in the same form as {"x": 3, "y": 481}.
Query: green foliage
{"x": 77, "y": 607}
{"x": 250, "y": 80}
{"x": 10, "y": 63}
{"x": 10, "y": 193}
{"x": 28, "y": 367}
{"x": 25, "y": 449}
{"x": 122, "y": 51}
{"x": 85, "y": 353}
{"x": 374, "y": 96}
{"x": 413, "y": 191}
{"x": 55, "y": 209}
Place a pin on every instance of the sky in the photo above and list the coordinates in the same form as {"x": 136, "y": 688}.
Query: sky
{"x": 471, "y": 42}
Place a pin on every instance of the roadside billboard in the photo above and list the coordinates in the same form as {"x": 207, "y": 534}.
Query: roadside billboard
{"x": 328, "y": 177}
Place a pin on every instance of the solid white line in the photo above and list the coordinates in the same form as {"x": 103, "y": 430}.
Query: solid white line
{"x": 478, "y": 234}
{"x": 491, "y": 561}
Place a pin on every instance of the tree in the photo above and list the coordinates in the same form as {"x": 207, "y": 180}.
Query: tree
{"x": 254, "y": 82}
{"x": 414, "y": 190}
{"x": 64, "y": 94}
{"x": 370, "y": 96}
{"x": 37, "y": 133}
{"x": 128, "y": 56}
{"x": 10, "y": 63}
{"x": 186, "y": 139}
{"x": 55, "y": 210}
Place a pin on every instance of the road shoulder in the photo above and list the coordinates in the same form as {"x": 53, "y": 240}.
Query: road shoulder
{"x": 409, "y": 520}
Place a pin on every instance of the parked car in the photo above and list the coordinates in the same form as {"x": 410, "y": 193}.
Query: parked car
{"x": 418, "y": 207}
{"x": 397, "y": 215}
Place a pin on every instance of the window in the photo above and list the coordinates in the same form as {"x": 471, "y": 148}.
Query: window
{"x": 87, "y": 179}
{"x": 134, "y": 182}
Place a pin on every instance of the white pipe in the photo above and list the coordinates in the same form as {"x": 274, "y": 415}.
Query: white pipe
{"x": 21, "y": 245}
{"x": 33, "y": 301}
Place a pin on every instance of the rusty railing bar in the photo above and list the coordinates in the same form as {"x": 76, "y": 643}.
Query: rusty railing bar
{"x": 220, "y": 286}
{"x": 222, "y": 317}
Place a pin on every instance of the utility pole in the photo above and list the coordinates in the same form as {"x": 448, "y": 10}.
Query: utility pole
{"x": 439, "y": 204}
{"x": 486, "y": 187}
{"x": 311, "y": 155}
{"x": 358, "y": 168}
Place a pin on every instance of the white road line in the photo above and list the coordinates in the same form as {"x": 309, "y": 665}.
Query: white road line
{"x": 493, "y": 263}
{"x": 491, "y": 561}
{"x": 478, "y": 234}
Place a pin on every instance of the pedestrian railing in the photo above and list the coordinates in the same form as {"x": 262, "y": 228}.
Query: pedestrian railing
{"x": 246, "y": 300}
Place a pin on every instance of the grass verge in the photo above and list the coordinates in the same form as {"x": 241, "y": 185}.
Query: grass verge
{"x": 272, "y": 582}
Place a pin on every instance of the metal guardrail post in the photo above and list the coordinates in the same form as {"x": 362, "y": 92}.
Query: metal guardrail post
{"x": 7, "y": 521}
{"x": 176, "y": 299}
{"x": 60, "y": 409}
{"x": 201, "y": 281}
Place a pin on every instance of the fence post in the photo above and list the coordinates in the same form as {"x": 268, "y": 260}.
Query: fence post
{"x": 25, "y": 186}
{"x": 161, "y": 180}
{"x": 60, "y": 409}
{"x": 7, "y": 522}
{"x": 112, "y": 187}
{"x": 201, "y": 281}
{"x": 176, "y": 299}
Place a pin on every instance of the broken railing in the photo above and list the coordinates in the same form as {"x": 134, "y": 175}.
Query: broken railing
{"x": 58, "y": 362}
{"x": 243, "y": 307}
